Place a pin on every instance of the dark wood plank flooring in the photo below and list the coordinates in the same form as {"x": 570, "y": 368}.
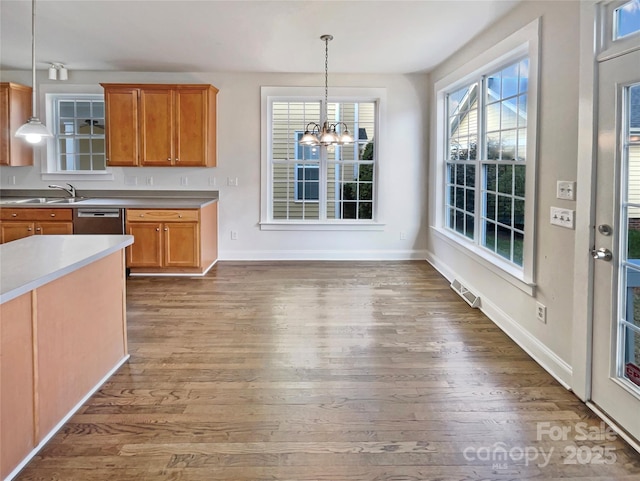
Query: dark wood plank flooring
{"x": 324, "y": 371}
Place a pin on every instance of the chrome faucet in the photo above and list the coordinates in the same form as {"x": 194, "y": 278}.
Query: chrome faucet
{"x": 71, "y": 190}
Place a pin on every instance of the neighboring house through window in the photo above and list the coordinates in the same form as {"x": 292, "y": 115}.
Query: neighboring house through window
{"x": 309, "y": 185}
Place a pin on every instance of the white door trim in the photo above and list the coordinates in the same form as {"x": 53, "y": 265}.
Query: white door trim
{"x": 582, "y": 325}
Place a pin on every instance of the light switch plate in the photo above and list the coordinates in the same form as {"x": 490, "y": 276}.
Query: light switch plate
{"x": 562, "y": 217}
{"x": 566, "y": 190}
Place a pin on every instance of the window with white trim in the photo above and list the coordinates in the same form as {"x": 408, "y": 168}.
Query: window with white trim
{"x": 488, "y": 156}
{"x": 78, "y": 133}
{"x": 321, "y": 184}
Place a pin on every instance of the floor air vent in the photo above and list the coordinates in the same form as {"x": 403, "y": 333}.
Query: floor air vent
{"x": 466, "y": 294}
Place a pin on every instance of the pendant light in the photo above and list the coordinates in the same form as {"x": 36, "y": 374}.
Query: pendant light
{"x": 328, "y": 134}
{"x": 34, "y": 130}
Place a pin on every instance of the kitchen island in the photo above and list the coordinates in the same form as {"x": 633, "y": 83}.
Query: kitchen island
{"x": 62, "y": 333}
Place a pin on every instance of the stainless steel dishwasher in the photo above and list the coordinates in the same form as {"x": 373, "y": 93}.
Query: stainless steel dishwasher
{"x": 98, "y": 221}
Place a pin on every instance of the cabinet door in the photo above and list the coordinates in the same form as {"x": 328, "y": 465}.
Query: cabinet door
{"x": 156, "y": 124}
{"x": 181, "y": 244}
{"x": 15, "y": 230}
{"x": 54, "y": 228}
{"x": 146, "y": 250}
{"x": 15, "y": 110}
{"x": 4, "y": 125}
{"x": 122, "y": 126}
{"x": 191, "y": 127}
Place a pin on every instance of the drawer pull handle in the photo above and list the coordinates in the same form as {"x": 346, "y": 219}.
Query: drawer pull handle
{"x": 38, "y": 229}
{"x": 166, "y": 229}
{"x": 157, "y": 229}
{"x": 14, "y": 215}
{"x": 169, "y": 159}
{"x": 179, "y": 216}
{"x": 53, "y": 215}
{"x": 29, "y": 229}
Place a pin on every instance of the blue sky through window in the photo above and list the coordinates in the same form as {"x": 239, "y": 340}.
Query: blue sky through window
{"x": 627, "y": 19}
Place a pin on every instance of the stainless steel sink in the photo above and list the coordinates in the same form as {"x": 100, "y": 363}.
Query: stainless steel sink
{"x": 42, "y": 200}
{"x": 66, "y": 200}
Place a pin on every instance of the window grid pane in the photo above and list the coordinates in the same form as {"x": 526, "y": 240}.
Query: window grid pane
{"x": 314, "y": 183}
{"x": 79, "y": 134}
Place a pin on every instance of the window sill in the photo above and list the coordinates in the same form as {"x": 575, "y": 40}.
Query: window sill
{"x": 76, "y": 175}
{"x": 502, "y": 269}
{"x": 322, "y": 226}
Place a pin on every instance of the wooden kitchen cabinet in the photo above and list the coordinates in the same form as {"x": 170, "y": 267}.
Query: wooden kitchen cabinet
{"x": 169, "y": 125}
{"x": 121, "y": 123}
{"x": 172, "y": 240}
{"x": 16, "y": 223}
{"x": 148, "y": 246}
{"x": 15, "y": 110}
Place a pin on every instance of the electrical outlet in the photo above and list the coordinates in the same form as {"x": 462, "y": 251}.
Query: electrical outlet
{"x": 403, "y": 235}
{"x": 234, "y": 235}
{"x": 232, "y": 181}
{"x": 184, "y": 180}
{"x": 213, "y": 182}
{"x": 562, "y": 217}
{"x": 541, "y": 312}
{"x": 12, "y": 180}
{"x": 566, "y": 190}
{"x": 130, "y": 180}
{"x": 149, "y": 180}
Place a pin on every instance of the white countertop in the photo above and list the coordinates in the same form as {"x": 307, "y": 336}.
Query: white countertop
{"x": 28, "y": 263}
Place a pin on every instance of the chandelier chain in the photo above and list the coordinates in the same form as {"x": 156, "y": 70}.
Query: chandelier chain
{"x": 326, "y": 79}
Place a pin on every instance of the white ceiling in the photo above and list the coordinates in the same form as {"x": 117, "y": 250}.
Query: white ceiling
{"x": 392, "y": 36}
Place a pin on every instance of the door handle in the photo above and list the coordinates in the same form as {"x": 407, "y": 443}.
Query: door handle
{"x": 602, "y": 254}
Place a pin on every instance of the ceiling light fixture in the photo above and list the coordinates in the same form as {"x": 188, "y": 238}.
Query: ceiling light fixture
{"x": 328, "y": 134}
{"x": 34, "y": 130}
{"x": 58, "y": 71}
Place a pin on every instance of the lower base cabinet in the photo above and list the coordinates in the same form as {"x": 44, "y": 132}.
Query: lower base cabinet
{"x": 18, "y": 223}
{"x": 172, "y": 241}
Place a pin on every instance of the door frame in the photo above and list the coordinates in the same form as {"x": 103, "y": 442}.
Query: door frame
{"x": 592, "y": 49}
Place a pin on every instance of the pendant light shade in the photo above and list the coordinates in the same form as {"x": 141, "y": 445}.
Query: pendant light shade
{"x": 34, "y": 130}
{"x": 328, "y": 134}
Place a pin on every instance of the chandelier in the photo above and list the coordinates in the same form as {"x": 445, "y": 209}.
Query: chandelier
{"x": 34, "y": 130}
{"x": 328, "y": 134}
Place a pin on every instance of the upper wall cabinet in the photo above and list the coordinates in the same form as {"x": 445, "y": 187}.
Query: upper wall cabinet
{"x": 15, "y": 110}
{"x": 160, "y": 125}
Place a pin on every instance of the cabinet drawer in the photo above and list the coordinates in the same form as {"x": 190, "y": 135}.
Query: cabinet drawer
{"x": 152, "y": 215}
{"x": 35, "y": 214}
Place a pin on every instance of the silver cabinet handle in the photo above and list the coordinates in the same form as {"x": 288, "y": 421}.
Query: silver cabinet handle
{"x": 53, "y": 215}
{"x": 166, "y": 229}
{"x": 157, "y": 229}
{"x": 14, "y": 215}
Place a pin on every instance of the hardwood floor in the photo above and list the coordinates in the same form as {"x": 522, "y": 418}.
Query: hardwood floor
{"x": 325, "y": 371}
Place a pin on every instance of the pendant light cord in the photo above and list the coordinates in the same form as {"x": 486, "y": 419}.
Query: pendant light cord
{"x": 34, "y": 112}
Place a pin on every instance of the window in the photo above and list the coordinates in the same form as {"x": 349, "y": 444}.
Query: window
{"x": 316, "y": 185}
{"x": 78, "y": 133}
{"x": 487, "y": 156}
{"x": 626, "y": 19}
{"x": 487, "y": 140}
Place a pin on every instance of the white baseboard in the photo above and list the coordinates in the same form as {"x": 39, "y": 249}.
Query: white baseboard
{"x": 323, "y": 255}
{"x": 540, "y": 353}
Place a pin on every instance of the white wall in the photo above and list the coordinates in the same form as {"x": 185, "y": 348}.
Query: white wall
{"x": 402, "y": 201}
{"x": 510, "y": 307}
